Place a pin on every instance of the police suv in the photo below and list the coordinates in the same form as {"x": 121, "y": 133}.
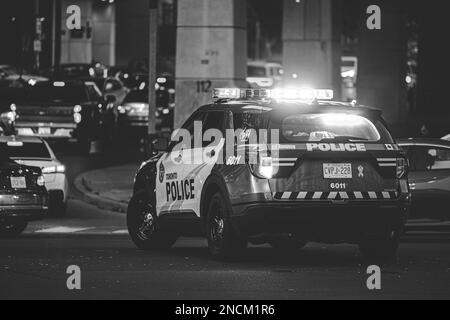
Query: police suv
{"x": 281, "y": 166}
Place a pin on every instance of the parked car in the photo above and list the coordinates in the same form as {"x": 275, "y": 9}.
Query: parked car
{"x": 429, "y": 177}
{"x": 36, "y": 152}
{"x": 10, "y": 74}
{"x": 62, "y": 110}
{"x": 23, "y": 196}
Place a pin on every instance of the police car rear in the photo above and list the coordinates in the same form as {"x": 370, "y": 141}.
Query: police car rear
{"x": 335, "y": 174}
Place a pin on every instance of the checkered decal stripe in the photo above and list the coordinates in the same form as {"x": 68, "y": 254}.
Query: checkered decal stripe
{"x": 335, "y": 195}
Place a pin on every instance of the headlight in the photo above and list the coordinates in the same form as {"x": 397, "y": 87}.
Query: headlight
{"x": 40, "y": 181}
{"x": 77, "y": 109}
{"x": 55, "y": 169}
{"x": 402, "y": 167}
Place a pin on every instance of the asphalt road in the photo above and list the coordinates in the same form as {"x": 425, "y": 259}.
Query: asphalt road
{"x": 34, "y": 266}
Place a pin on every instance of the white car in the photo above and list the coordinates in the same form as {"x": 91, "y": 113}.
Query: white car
{"x": 261, "y": 74}
{"x": 36, "y": 152}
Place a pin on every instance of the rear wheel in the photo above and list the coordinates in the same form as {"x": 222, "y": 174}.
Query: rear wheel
{"x": 381, "y": 248}
{"x": 223, "y": 241}
{"x": 144, "y": 228}
{"x": 12, "y": 228}
{"x": 57, "y": 207}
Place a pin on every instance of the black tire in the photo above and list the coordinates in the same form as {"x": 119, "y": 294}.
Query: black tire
{"x": 223, "y": 241}
{"x": 144, "y": 229}
{"x": 12, "y": 228}
{"x": 287, "y": 244}
{"x": 381, "y": 248}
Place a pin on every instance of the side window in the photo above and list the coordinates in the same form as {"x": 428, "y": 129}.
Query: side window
{"x": 213, "y": 120}
{"x": 189, "y": 126}
{"x": 430, "y": 158}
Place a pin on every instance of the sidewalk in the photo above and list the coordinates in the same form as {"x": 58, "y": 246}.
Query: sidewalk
{"x": 109, "y": 188}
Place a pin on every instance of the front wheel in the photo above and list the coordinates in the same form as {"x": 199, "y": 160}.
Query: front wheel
{"x": 382, "y": 248}
{"x": 13, "y": 228}
{"x": 223, "y": 241}
{"x": 144, "y": 228}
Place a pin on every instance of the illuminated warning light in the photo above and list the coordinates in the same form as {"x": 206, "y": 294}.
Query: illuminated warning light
{"x": 284, "y": 94}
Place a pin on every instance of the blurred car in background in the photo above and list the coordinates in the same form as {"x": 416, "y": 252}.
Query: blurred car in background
{"x": 35, "y": 152}
{"x": 10, "y": 73}
{"x": 429, "y": 177}
{"x": 23, "y": 196}
{"x": 134, "y": 111}
{"x": 261, "y": 74}
{"x": 63, "y": 110}
{"x": 446, "y": 138}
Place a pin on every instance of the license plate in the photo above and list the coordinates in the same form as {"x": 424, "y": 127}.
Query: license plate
{"x": 44, "y": 131}
{"x": 18, "y": 183}
{"x": 337, "y": 170}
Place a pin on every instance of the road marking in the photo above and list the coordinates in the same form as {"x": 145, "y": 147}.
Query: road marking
{"x": 62, "y": 230}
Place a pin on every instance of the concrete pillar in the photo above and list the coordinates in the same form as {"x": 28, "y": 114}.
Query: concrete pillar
{"x": 382, "y": 61}
{"x": 76, "y": 46}
{"x": 211, "y": 51}
{"x": 104, "y": 34}
{"x": 311, "y": 43}
{"x": 132, "y": 31}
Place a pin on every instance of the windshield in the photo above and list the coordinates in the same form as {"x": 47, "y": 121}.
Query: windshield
{"x": 330, "y": 126}
{"x": 31, "y": 150}
{"x": 50, "y": 93}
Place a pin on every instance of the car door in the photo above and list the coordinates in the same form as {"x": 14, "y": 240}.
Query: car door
{"x": 173, "y": 189}
{"x": 430, "y": 181}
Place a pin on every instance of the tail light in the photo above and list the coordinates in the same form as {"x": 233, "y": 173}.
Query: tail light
{"x": 40, "y": 181}
{"x": 264, "y": 169}
{"x": 402, "y": 167}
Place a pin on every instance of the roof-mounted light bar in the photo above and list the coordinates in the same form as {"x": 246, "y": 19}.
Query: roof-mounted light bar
{"x": 285, "y": 94}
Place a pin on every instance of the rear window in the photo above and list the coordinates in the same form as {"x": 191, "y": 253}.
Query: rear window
{"x": 137, "y": 96}
{"x": 258, "y": 72}
{"x": 50, "y": 93}
{"x": 31, "y": 150}
{"x": 331, "y": 127}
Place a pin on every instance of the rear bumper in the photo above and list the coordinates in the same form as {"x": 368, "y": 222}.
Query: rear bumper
{"x": 32, "y": 212}
{"x": 57, "y": 130}
{"x": 322, "y": 222}
{"x": 32, "y": 206}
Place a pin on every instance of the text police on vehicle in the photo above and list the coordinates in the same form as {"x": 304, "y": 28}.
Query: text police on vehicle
{"x": 283, "y": 166}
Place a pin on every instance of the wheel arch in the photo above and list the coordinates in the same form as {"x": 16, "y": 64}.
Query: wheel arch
{"x": 213, "y": 185}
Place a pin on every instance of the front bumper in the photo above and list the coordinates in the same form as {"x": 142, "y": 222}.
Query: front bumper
{"x": 325, "y": 221}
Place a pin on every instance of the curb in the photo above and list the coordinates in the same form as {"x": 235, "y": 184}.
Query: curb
{"x": 91, "y": 197}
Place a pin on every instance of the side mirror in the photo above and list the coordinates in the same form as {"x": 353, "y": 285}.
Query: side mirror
{"x": 160, "y": 145}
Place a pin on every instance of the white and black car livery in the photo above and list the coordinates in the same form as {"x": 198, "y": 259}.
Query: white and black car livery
{"x": 327, "y": 172}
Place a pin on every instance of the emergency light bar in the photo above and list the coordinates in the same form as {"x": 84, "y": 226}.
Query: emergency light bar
{"x": 286, "y": 94}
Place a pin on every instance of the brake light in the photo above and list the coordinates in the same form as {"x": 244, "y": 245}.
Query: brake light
{"x": 40, "y": 181}
{"x": 55, "y": 169}
{"x": 264, "y": 169}
{"x": 402, "y": 167}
